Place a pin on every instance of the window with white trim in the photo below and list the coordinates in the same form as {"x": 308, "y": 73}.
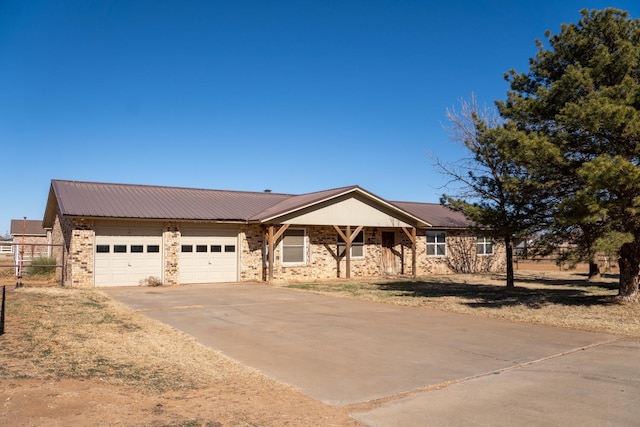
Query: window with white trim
{"x": 485, "y": 246}
{"x": 357, "y": 245}
{"x": 436, "y": 243}
{"x": 294, "y": 247}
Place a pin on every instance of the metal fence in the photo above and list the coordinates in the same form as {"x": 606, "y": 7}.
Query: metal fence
{"x": 26, "y": 253}
{"x": 2, "y": 311}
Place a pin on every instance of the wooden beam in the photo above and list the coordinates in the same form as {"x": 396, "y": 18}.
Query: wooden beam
{"x": 348, "y": 238}
{"x": 411, "y": 235}
{"x": 355, "y": 232}
{"x": 281, "y": 231}
{"x": 353, "y": 235}
{"x": 414, "y": 252}
{"x": 272, "y": 238}
{"x": 347, "y": 241}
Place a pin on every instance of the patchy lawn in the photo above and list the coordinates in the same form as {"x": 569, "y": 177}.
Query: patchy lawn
{"x": 561, "y": 299}
{"x": 76, "y": 357}
{"x": 73, "y": 357}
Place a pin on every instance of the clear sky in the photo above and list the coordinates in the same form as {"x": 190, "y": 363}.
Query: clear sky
{"x": 293, "y": 96}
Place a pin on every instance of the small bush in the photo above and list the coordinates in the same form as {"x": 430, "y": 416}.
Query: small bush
{"x": 151, "y": 281}
{"x": 41, "y": 266}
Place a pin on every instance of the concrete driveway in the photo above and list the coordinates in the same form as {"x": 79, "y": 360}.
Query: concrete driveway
{"x": 402, "y": 366}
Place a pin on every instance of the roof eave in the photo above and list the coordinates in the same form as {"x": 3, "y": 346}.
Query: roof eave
{"x": 419, "y": 222}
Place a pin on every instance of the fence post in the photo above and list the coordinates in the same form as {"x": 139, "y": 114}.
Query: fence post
{"x": 2, "y": 312}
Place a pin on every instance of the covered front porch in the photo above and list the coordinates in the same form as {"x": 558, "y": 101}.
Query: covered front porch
{"x": 337, "y": 237}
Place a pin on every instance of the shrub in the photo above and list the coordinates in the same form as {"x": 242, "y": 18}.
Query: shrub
{"x": 151, "y": 281}
{"x": 41, "y": 266}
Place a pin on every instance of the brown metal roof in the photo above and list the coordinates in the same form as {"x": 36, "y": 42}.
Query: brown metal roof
{"x": 435, "y": 214}
{"x": 294, "y": 203}
{"x": 91, "y": 199}
{"x": 30, "y": 227}
{"x": 103, "y": 200}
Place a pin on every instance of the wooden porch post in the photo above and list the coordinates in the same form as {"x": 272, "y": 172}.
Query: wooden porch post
{"x": 348, "y": 239}
{"x": 348, "y": 253}
{"x": 414, "y": 263}
{"x": 271, "y": 239}
{"x": 413, "y": 238}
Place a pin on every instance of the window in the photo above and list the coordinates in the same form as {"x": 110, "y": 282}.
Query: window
{"x": 102, "y": 249}
{"x": 485, "y": 246}
{"x": 436, "y": 243}
{"x": 230, "y": 248}
{"x": 153, "y": 249}
{"x": 357, "y": 245}
{"x": 120, "y": 249}
{"x": 137, "y": 249}
{"x": 201, "y": 248}
{"x": 216, "y": 248}
{"x": 186, "y": 248}
{"x": 293, "y": 247}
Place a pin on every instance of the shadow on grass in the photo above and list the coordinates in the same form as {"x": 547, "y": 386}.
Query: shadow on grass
{"x": 493, "y": 296}
{"x": 580, "y": 281}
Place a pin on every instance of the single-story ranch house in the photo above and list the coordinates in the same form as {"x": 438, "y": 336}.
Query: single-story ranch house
{"x": 124, "y": 235}
{"x": 28, "y": 236}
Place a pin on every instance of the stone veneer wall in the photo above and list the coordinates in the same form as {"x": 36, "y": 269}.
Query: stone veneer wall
{"x": 370, "y": 265}
{"x": 81, "y": 254}
{"x": 321, "y": 262}
{"x": 252, "y": 244}
{"x": 77, "y": 237}
{"x": 321, "y": 257}
{"x": 461, "y": 255}
{"x": 171, "y": 238}
{"x": 61, "y": 237}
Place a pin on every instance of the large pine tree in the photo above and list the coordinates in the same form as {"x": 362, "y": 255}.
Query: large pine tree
{"x": 582, "y": 94}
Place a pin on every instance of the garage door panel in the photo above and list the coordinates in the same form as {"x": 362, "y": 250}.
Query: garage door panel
{"x": 124, "y": 260}
{"x": 208, "y": 256}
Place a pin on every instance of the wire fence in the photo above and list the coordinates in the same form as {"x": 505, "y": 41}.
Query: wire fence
{"x": 29, "y": 257}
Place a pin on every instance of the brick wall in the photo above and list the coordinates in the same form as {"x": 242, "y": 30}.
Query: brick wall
{"x": 61, "y": 237}
{"x": 322, "y": 262}
{"x": 252, "y": 243}
{"x": 81, "y": 254}
{"x": 171, "y": 239}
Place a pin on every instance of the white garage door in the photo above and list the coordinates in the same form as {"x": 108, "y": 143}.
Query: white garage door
{"x": 208, "y": 256}
{"x": 124, "y": 260}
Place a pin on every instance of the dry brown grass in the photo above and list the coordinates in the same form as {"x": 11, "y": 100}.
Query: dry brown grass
{"x": 74, "y": 333}
{"x": 562, "y": 299}
{"x": 8, "y": 276}
{"x": 77, "y": 357}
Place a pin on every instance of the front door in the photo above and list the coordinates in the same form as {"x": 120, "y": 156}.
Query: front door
{"x": 388, "y": 252}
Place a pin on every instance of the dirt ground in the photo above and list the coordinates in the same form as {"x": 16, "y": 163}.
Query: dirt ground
{"x": 75, "y": 358}
{"x": 234, "y": 402}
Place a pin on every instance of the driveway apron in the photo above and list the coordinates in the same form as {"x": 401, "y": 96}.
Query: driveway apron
{"x": 344, "y": 351}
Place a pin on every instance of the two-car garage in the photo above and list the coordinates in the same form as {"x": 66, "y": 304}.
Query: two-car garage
{"x": 125, "y": 256}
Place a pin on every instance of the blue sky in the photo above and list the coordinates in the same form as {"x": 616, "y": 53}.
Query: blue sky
{"x": 294, "y": 96}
